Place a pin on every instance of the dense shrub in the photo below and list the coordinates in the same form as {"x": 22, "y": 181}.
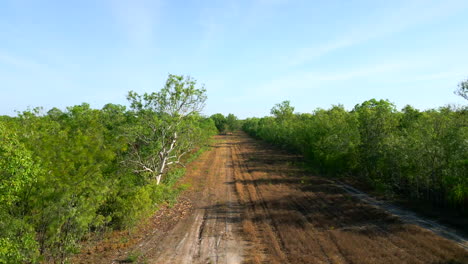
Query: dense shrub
{"x": 418, "y": 154}
{"x": 64, "y": 174}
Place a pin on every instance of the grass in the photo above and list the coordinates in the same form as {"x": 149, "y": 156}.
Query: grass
{"x": 132, "y": 257}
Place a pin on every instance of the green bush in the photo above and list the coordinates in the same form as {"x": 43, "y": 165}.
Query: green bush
{"x": 421, "y": 155}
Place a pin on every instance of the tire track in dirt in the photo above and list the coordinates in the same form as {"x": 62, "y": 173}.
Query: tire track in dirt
{"x": 258, "y": 222}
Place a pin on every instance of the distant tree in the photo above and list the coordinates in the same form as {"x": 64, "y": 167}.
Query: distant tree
{"x": 220, "y": 122}
{"x": 462, "y": 89}
{"x": 282, "y": 110}
{"x": 55, "y": 113}
{"x": 232, "y": 122}
{"x": 164, "y": 133}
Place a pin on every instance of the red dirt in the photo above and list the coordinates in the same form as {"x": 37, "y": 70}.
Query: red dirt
{"x": 249, "y": 203}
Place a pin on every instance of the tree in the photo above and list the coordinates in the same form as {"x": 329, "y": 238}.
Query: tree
{"x": 232, "y": 122}
{"x": 220, "y": 122}
{"x": 462, "y": 89}
{"x": 377, "y": 122}
{"x": 75, "y": 158}
{"x": 17, "y": 172}
{"x": 64, "y": 174}
{"x": 165, "y": 122}
{"x": 282, "y": 110}
{"x": 418, "y": 154}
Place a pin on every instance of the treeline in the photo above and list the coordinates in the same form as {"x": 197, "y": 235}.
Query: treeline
{"x": 66, "y": 174}
{"x": 226, "y": 124}
{"x": 421, "y": 155}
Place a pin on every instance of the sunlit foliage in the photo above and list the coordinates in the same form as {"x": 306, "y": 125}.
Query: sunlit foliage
{"x": 64, "y": 174}
{"x": 418, "y": 154}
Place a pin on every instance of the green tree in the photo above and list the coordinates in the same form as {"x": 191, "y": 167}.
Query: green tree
{"x": 232, "y": 122}
{"x": 462, "y": 89}
{"x": 417, "y": 154}
{"x": 17, "y": 173}
{"x": 220, "y": 122}
{"x": 165, "y": 125}
{"x": 74, "y": 157}
{"x": 282, "y": 110}
{"x": 377, "y": 122}
{"x": 64, "y": 174}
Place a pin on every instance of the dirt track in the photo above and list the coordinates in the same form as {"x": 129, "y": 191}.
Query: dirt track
{"x": 212, "y": 233}
{"x": 252, "y": 204}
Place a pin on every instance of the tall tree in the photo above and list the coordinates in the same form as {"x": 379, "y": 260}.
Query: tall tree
{"x": 165, "y": 119}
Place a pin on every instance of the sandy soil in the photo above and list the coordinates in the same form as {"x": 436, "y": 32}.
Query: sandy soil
{"x": 252, "y": 204}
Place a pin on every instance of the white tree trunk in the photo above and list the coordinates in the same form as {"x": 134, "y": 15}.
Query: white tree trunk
{"x": 158, "y": 179}
{"x": 164, "y": 157}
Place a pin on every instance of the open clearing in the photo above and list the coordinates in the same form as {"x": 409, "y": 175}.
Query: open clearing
{"x": 252, "y": 204}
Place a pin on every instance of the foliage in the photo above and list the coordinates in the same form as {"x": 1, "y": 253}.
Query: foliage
{"x": 17, "y": 173}
{"x": 462, "y": 89}
{"x": 421, "y": 155}
{"x": 165, "y": 130}
{"x": 225, "y": 124}
{"x": 232, "y": 123}
{"x": 220, "y": 122}
{"x": 282, "y": 110}
{"x": 64, "y": 174}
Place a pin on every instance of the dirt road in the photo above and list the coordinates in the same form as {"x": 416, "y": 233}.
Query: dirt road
{"x": 212, "y": 233}
{"x": 253, "y": 204}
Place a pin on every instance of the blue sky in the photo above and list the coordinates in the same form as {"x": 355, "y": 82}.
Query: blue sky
{"x": 249, "y": 54}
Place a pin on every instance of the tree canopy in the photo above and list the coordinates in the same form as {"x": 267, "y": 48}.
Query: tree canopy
{"x": 418, "y": 154}
{"x": 65, "y": 173}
